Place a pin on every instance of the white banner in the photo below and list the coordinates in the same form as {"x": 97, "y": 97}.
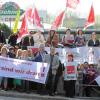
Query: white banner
{"x": 25, "y": 70}
{"x": 81, "y": 54}
{"x": 70, "y": 72}
{"x": 98, "y": 80}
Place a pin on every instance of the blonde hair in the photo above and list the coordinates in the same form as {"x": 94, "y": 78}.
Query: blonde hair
{"x": 25, "y": 53}
{"x": 4, "y": 48}
{"x": 18, "y": 51}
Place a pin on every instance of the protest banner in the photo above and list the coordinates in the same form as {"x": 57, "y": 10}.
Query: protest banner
{"x": 70, "y": 71}
{"x": 25, "y": 70}
{"x": 81, "y": 54}
{"x": 60, "y": 51}
{"x": 98, "y": 80}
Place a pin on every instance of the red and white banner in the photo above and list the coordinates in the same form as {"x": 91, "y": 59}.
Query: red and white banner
{"x": 72, "y": 3}
{"x": 25, "y": 70}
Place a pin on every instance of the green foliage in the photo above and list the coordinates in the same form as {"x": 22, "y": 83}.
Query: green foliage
{"x": 6, "y": 30}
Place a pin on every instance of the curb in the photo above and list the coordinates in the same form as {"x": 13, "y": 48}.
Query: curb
{"x": 40, "y": 97}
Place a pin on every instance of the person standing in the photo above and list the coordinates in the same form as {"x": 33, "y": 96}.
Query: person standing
{"x": 25, "y": 83}
{"x": 17, "y": 82}
{"x": 80, "y": 39}
{"x": 68, "y": 39}
{"x": 53, "y": 62}
{"x": 70, "y": 76}
{"x": 53, "y": 39}
{"x": 38, "y": 38}
{"x": 94, "y": 42}
{"x": 4, "y": 53}
{"x": 12, "y": 39}
{"x": 2, "y": 37}
{"x": 40, "y": 58}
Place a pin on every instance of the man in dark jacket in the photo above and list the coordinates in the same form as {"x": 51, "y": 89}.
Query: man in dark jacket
{"x": 12, "y": 39}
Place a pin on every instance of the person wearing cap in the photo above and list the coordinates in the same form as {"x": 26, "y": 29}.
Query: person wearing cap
{"x": 94, "y": 42}
{"x": 53, "y": 61}
{"x": 68, "y": 39}
{"x": 70, "y": 75}
{"x": 80, "y": 38}
{"x": 52, "y": 39}
{"x": 38, "y": 38}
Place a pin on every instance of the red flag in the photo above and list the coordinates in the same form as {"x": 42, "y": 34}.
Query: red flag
{"x": 91, "y": 18}
{"x": 37, "y": 18}
{"x": 72, "y": 3}
{"x": 58, "y": 21}
{"x": 33, "y": 17}
{"x": 29, "y": 14}
{"x": 23, "y": 30}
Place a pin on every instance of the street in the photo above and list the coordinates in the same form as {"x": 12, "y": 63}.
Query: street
{"x": 12, "y": 98}
{"x": 16, "y": 98}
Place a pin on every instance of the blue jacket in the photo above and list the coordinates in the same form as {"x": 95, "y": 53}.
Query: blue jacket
{"x": 38, "y": 58}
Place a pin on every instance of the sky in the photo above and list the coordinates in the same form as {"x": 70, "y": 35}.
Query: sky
{"x": 56, "y": 6}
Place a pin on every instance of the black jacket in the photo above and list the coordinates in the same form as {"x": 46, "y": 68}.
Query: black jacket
{"x": 94, "y": 44}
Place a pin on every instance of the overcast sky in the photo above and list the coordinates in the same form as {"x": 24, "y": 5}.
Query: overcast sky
{"x": 55, "y": 6}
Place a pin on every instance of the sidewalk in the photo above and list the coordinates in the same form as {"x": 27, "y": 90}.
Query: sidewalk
{"x": 34, "y": 96}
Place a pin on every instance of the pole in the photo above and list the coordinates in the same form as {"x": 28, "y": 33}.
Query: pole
{"x": 10, "y": 22}
{"x": 64, "y": 14}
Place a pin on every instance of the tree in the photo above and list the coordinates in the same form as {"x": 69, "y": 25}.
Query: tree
{"x": 6, "y": 30}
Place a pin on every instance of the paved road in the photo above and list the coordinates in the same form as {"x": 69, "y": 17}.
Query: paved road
{"x": 11, "y": 98}
{"x": 11, "y": 95}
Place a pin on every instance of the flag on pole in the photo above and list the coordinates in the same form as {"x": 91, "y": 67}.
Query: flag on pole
{"x": 37, "y": 18}
{"x": 58, "y": 21}
{"x": 16, "y": 21}
{"x": 72, "y": 3}
{"x": 91, "y": 18}
{"x": 23, "y": 30}
{"x": 34, "y": 18}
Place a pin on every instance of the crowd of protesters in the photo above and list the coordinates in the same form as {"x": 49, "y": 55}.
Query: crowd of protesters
{"x": 57, "y": 69}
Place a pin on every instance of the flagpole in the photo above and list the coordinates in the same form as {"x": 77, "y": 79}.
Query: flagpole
{"x": 64, "y": 14}
{"x": 63, "y": 17}
{"x": 34, "y": 20}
